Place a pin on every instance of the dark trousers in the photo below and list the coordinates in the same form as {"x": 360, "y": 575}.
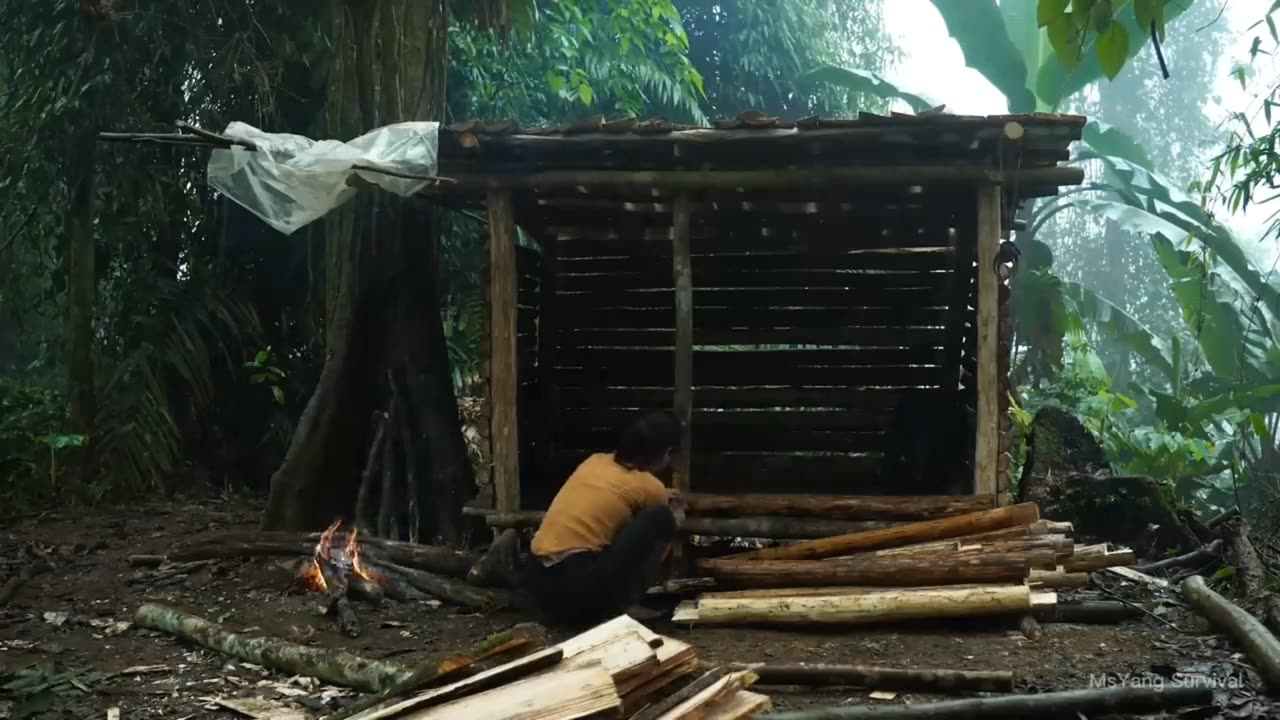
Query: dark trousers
{"x": 590, "y": 587}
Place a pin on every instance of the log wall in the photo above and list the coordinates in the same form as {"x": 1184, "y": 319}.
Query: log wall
{"x": 802, "y": 347}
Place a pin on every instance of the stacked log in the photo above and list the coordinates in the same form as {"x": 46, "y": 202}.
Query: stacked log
{"x": 952, "y": 561}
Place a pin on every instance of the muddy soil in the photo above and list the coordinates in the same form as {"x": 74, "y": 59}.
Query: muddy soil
{"x": 74, "y": 621}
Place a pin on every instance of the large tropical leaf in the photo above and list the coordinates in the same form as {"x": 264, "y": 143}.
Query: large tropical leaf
{"x": 864, "y": 82}
{"x": 1054, "y": 83}
{"x": 1120, "y": 326}
{"x": 1232, "y": 331}
{"x": 1108, "y": 140}
{"x": 1158, "y": 197}
{"x": 979, "y": 28}
{"x": 1025, "y": 34}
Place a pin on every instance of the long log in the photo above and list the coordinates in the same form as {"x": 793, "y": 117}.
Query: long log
{"x": 1199, "y": 556}
{"x": 1060, "y": 547}
{"x": 873, "y": 677}
{"x": 1089, "y": 612}
{"x": 1248, "y": 632}
{"x": 843, "y": 507}
{"x": 443, "y": 588}
{"x": 769, "y": 528}
{"x": 859, "y": 608}
{"x": 948, "y": 569}
{"x": 446, "y": 561}
{"x": 942, "y": 529}
{"x": 829, "y": 590}
{"x": 1088, "y": 558}
{"x": 331, "y": 666}
{"x": 1067, "y": 703}
{"x": 1058, "y": 579}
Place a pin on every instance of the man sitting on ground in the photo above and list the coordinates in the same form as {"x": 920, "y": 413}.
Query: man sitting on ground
{"x": 609, "y": 528}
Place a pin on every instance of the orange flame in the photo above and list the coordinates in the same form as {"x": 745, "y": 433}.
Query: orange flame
{"x": 346, "y": 559}
{"x": 353, "y": 555}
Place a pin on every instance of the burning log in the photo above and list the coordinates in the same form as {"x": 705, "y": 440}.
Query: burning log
{"x": 446, "y": 589}
{"x": 332, "y": 666}
{"x": 882, "y": 678}
{"x": 917, "y": 532}
{"x": 859, "y": 608}
{"x": 947, "y": 569}
{"x": 844, "y": 507}
{"x": 445, "y": 561}
{"x": 1016, "y": 707}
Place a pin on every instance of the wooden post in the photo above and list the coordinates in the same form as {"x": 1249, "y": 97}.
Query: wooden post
{"x": 503, "y": 388}
{"x": 987, "y": 425}
{"x": 682, "y": 268}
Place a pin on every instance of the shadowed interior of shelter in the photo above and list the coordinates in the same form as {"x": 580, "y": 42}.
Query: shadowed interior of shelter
{"x": 820, "y": 297}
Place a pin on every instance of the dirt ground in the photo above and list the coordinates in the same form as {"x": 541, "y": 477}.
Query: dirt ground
{"x": 68, "y": 650}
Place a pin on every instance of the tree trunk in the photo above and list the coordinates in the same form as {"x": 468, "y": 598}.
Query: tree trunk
{"x": 82, "y": 290}
{"x": 383, "y": 305}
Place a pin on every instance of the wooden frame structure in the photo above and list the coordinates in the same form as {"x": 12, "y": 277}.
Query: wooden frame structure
{"x": 780, "y": 286}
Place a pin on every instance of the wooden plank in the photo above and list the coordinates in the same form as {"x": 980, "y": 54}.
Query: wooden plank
{"x": 924, "y": 261}
{"x": 739, "y": 398}
{"x": 860, "y": 420}
{"x": 715, "y": 278}
{"x": 837, "y": 336}
{"x": 695, "y": 708}
{"x": 765, "y": 472}
{"x": 987, "y": 442}
{"x": 704, "y": 297}
{"x": 710, "y": 318}
{"x": 741, "y": 704}
{"x": 559, "y": 695}
{"x": 682, "y": 270}
{"x": 503, "y": 383}
{"x": 788, "y": 360}
{"x": 756, "y": 376}
{"x": 585, "y": 241}
{"x": 763, "y": 438}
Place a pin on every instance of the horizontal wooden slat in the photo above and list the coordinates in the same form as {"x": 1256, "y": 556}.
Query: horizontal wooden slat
{"x": 760, "y": 298}
{"x": 765, "y": 262}
{"x": 767, "y": 472}
{"x": 864, "y": 337}
{"x": 860, "y": 420}
{"x": 623, "y": 239}
{"x": 747, "y": 439}
{"x": 586, "y": 317}
{"x": 740, "y": 398}
{"x": 770, "y": 279}
{"x": 751, "y": 375}
{"x": 716, "y": 359}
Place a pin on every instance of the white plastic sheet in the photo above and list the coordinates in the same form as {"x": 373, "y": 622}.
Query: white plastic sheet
{"x": 290, "y": 180}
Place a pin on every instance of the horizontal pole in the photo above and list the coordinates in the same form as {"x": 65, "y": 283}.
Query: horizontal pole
{"x": 780, "y": 179}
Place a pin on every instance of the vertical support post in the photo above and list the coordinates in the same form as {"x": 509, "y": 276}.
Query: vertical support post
{"x": 681, "y": 267}
{"x": 987, "y": 425}
{"x": 503, "y": 387}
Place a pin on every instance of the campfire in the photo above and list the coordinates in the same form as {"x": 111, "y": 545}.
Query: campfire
{"x": 338, "y": 572}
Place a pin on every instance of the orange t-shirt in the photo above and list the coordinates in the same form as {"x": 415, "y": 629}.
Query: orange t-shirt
{"x": 595, "y": 502}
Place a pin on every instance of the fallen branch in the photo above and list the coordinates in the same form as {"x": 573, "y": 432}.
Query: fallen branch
{"x": 15, "y": 583}
{"x": 444, "y": 588}
{"x": 873, "y": 677}
{"x": 1199, "y": 556}
{"x": 497, "y": 566}
{"x": 1053, "y": 704}
{"x": 331, "y": 666}
{"x": 1250, "y": 573}
{"x": 1217, "y": 520}
{"x": 1252, "y": 636}
{"x": 433, "y": 675}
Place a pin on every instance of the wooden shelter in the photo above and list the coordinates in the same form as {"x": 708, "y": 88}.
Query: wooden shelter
{"x": 780, "y": 285}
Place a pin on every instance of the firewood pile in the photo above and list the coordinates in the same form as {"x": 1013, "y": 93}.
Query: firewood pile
{"x": 934, "y": 557}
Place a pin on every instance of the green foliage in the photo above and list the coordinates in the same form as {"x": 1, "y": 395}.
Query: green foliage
{"x": 38, "y": 687}
{"x": 863, "y": 82}
{"x": 979, "y": 28}
{"x": 31, "y": 442}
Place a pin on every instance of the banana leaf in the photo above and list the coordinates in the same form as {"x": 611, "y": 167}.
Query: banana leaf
{"x": 979, "y": 28}
{"x": 864, "y": 82}
{"x": 1120, "y": 326}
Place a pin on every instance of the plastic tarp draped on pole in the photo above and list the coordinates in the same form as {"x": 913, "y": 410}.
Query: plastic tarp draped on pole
{"x": 290, "y": 180}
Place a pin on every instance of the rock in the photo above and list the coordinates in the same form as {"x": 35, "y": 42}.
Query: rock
{"x": 1068, "y": 477}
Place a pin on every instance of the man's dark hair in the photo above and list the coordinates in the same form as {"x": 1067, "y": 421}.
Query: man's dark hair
{"x": 647, "y": 439}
